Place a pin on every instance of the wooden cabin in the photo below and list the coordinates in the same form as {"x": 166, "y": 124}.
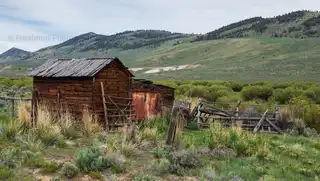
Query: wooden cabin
{"x": 101, "y": 85}
{"x": 151, "y": 99}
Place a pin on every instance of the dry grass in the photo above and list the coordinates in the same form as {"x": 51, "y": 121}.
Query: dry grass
{"x": 90, "y": 123}
{"x": 44, "y": 117}
{"x": 46, "y": 128}
{"x": 286, "y": 114}
{"x": 68, "y": 125}
{"x": 148, "y": 134}
{"x": 24, "y": 111}
{"x": 12, "y": 129}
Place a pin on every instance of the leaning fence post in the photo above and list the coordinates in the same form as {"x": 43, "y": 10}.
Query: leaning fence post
{"x": 198, "y": 112}
{"x": 12, "y": 108}
{"x": 277, "y": 112}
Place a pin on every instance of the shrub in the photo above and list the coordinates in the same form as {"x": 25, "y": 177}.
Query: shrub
{"x": 32, "y": 158}
{"x": 257, "y": 92}
{"x": 285, "y": 96}
{"x": 160, "y": 152}
{"x": 10, "y": 157}
{"x": 218, "y": 138}
{"x": 48, "y": 134}
{"x": 118, "y": 163}
{"x": 208, "y": 174}
{"x": 238, "y": 141}
{"x": 262, "y": 151}
{"x": 149, "y": 134}
{"x": 90, "y": 159}
{"x": 11, "y": 129}
{"x": 181, "y": 161}
{"x": 61, "y": 142}
{"x": 69, "y": 170}
{"x": 127, "y": 149}
{"x": 161, "y": 124}
{"x": 143, "y": 177}
{"x": 236, "y": 87}
{"x": 32, "y": 142}
{"x": 192, "y": 125}
{"x": 96, "y": 175}
{"x": 198, "y": 91}
{"x": 5, "y": 173}
{"x": 312, "y": 116}
{"x": 160, "y": 166}
{"x": 48, "y": 166}
{"x": 214, "y": 95}
{"x": 281, "y": 85}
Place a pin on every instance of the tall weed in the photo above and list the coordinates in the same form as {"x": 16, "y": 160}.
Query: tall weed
{"x": 90, "y": 123}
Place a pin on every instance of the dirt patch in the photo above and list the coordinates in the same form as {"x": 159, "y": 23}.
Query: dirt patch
{"x": 171, "y": 68}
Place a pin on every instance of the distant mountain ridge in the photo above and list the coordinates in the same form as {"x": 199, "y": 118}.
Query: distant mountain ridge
{"x": 13, "y": 54}
{"x": 298, "y": 24}
{"x": 97, "y": 45}
{"x": 284, "y": 47}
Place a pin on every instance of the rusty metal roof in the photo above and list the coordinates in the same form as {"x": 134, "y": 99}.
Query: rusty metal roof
{"x": 85, "y": 67}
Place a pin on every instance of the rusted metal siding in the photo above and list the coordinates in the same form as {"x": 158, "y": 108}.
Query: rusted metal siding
{"x": 166, "y": 94}
{"x": 147, "y": 104}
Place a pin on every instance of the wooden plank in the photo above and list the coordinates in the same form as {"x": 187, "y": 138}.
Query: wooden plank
{"x": 261, "y": 120}
{"x": 274, "y": 126}
{"x": 104, "y": 105}
{"x": 15, "y": 98}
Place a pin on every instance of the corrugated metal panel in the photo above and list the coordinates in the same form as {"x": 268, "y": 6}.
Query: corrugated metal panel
{"x": 147, "y": 104}
{"x": 139, "y": 104}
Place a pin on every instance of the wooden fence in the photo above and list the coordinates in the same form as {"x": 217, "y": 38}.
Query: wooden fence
{"x": 13, "y": 101}
{"x": 243, "y": 115}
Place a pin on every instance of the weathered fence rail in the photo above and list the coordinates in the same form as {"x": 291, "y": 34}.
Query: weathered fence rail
{"x": 13, "y": 100}
{"x": 266, "y": 118}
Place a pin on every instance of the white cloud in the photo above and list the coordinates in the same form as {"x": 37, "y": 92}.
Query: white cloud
{"x": 55, "y": 18}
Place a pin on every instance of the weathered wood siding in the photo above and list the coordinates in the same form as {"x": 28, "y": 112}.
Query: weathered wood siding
{"x": 73, "y": 94}
{"x": 167, "y": 99}
{"x": 117, "y": 83}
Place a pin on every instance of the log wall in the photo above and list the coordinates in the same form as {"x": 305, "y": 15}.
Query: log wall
{"x": 72, "y": 94}
{"x": 75, "y": 94}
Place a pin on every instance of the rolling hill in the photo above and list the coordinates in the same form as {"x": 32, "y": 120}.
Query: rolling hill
{"x": 299, "y": 24}
{"x": 279, "y": 49}
{"x": 13, "y": 54}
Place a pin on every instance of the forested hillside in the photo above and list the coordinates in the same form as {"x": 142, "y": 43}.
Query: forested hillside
{"x": 299, "y": 24}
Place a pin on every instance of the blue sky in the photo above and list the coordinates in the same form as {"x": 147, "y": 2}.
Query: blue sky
{"x": 33, "y": 24}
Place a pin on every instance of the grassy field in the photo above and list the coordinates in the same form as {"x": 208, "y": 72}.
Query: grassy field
{"x": 247, "y": 59}
{"x": 65, "y": 150}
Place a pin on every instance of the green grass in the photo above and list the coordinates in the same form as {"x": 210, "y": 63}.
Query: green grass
{"x": 286, "y": 157}
{"x": 245, "y": 59}
{"x": 282, "y": 163}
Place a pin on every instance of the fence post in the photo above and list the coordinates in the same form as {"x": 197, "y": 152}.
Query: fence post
{"x": 12, "y": 108}
{"x": 277, "y": 112}
{"x": 198, "y": 111}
